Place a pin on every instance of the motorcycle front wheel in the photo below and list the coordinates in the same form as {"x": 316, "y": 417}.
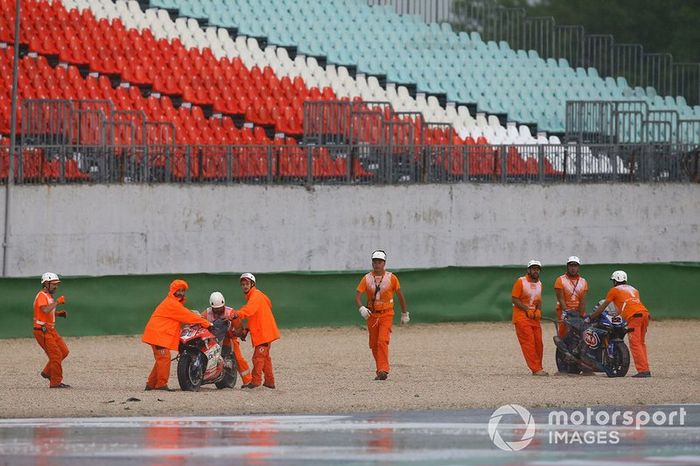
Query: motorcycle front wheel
{"x": 189, "y": 372}
{"x": 619, "y": 364}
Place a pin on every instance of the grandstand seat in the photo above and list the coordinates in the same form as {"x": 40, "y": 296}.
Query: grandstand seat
{"x": 378, "y": 18}
{"x": 237, "y": 77}
{"x": 186, "y": 30}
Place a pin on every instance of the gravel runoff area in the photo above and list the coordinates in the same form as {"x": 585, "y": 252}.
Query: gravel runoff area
{"x": 330, "y": 370}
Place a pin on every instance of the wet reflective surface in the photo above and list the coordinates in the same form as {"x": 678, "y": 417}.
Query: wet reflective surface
{"x": 416, "y": 438}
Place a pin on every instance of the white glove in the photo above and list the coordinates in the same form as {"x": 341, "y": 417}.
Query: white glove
{"x": 405, "y": 318}
{"x": 364, "y": 312}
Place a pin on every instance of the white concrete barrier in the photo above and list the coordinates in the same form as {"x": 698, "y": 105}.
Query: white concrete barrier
{"x": 140, "y": 229}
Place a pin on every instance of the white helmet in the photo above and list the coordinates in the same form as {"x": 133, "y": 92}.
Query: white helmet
{"x": 534, "y": 262}
{"x": 379, "y": 254}
{"x": 49, "y": 277}
{"x": 216, "y": 299}
{"x": 573, "y": 259}
{"x": 619, "y": 276}
{"x": 249, "y": 276}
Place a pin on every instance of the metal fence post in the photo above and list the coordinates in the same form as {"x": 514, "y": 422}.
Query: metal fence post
{"x": 13, "y": 141}
{"x": 309, "y": 166}
{"x": 269, "y": 164}
{"x": 388, "y": 164}
{"x": 578, "y": 163}
{"x": 449, "y": 164}
{"x": 648, "y": 160}
{"x": 168, "y": 162}
{"x": 229, "y": 164}
{"x": 62, "y": 164}
{"x": 146, "y": 171}
{"x": 503, "y": 151}
{"x": 188, "y": 162}
{"x": 465, "y": 163}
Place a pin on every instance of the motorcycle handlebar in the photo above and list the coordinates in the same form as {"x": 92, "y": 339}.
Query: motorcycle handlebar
{"x": 556, "y": 322}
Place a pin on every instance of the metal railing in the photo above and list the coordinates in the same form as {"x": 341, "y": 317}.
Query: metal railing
{"x": 550, "y": 40}
{"x": 355, "y": 164}
{"x": 88, "y": 123}
{"x": 344, "y": 122}
{"x": 348, "y": 143}
{"x": 627, "y": 121}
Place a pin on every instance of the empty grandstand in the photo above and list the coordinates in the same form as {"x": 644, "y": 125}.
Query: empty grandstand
{"x": 278, "y": 91}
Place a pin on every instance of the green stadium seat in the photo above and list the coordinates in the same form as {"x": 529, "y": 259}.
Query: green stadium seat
{"x": 407, "y": 50}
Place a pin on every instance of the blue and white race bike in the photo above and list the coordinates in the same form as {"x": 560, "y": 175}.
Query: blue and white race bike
{"x": 597, "y": 346}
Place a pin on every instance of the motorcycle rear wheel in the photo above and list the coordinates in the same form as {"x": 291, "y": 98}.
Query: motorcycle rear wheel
{"x": 230, "y": 373}
{"x": 189, "y": 372}
{"x": 563, "y": 365}
{"x": 620, "y": 362}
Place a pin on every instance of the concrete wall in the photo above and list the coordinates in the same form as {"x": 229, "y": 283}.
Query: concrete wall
{"x": 138, "y": 229}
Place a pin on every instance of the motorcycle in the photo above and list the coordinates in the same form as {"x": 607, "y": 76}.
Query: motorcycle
{"x": 201, "y": 359}
{"x": 593, "y": 346}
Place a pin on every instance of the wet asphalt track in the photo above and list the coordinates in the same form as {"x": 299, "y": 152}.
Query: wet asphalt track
{"x": 396, "y": 438}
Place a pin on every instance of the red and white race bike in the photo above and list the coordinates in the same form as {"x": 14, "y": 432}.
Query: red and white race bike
{"x": 201, "y": 360}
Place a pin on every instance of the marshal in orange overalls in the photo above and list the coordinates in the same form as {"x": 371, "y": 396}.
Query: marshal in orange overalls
{"x": 628, "y": 304}
{"x": 528, "y": 329}
{"x": 48, "y": 338}
{"x": 263, "y": 331}
{"x": 162, "y": 332}
{"x": 574, "y": 290}
{"x": 380, "y": 300}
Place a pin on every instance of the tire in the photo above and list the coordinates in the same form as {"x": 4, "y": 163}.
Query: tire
{"x": 190, "y": 372}
{"x": 620, "y": 362}
{"x": 230, "y": 373}
{"x": 563, "y": 365}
